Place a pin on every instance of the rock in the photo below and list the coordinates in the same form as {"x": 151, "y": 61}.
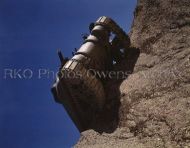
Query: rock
{"x": 155, "y": 98}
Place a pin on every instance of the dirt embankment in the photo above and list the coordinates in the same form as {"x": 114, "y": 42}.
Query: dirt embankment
{"x": 154, "y": 108}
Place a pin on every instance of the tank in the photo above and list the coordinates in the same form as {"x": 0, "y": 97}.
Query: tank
{"x": 77, "y": 87}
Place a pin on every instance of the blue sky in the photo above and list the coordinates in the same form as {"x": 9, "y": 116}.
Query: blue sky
{"x": 30, "y": 33}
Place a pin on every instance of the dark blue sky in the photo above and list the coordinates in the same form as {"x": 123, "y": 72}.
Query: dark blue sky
{"x": 30, "y": 33}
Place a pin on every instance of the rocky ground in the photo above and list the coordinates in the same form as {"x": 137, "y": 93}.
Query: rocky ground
{"x": 153, "y": 106}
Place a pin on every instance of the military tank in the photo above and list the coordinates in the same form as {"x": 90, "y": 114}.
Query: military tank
{"x": 77, "y": 86}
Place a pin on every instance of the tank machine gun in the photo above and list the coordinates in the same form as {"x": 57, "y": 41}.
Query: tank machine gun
{"x": 81, "y": 93}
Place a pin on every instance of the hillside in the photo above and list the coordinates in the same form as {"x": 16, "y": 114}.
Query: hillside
{"x": 152, "y": 108}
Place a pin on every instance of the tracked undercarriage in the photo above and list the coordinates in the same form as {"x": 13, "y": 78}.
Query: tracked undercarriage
{"x": 77, "y": 86}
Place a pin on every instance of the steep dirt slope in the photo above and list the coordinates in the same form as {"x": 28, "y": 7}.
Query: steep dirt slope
{"x": 154, "y": 108}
